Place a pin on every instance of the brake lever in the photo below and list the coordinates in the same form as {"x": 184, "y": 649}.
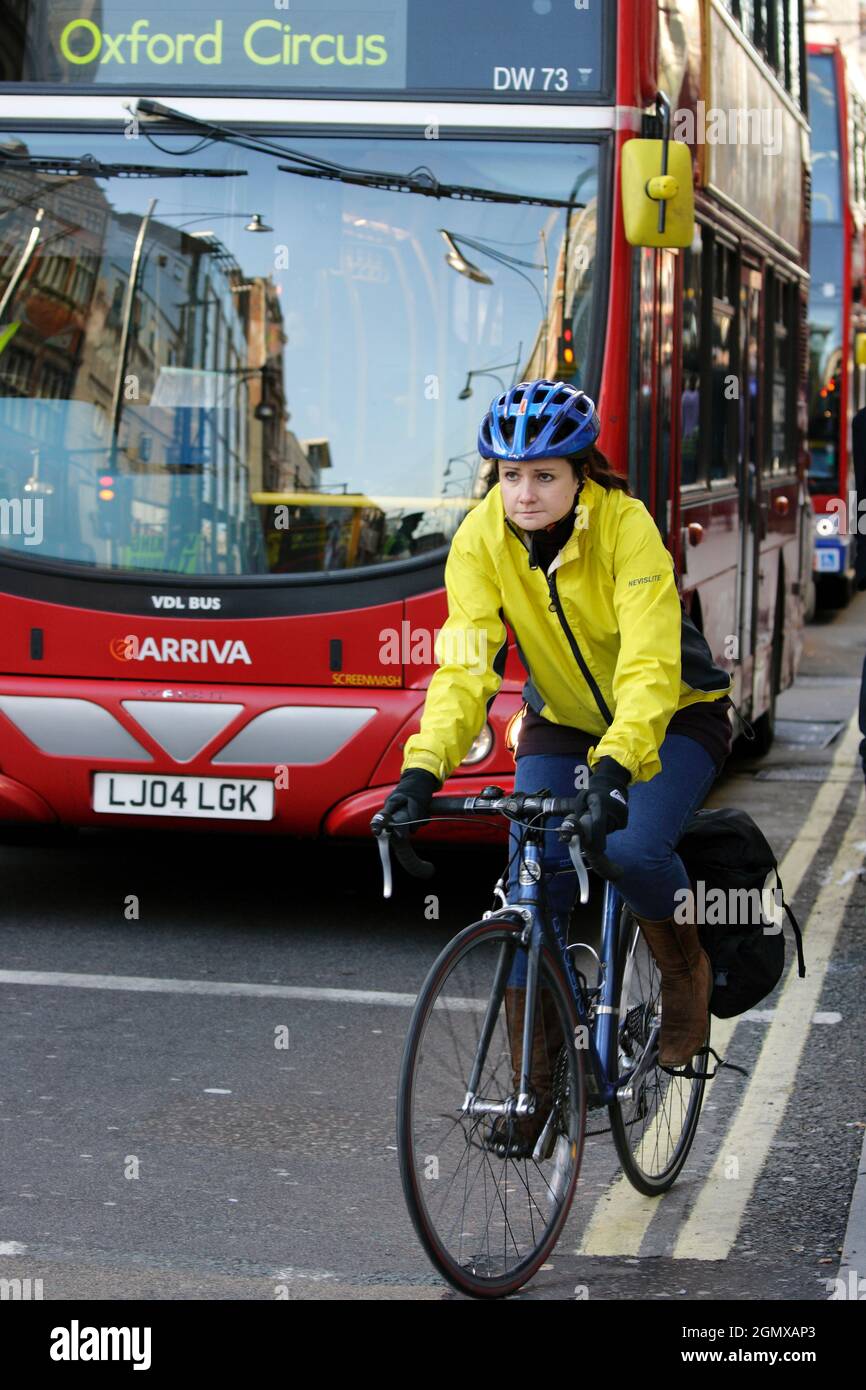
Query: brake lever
{"x": 599, "y": 862}
{"x": 418, "y": 868}
{"x": 380, "y": 828}
{"x": 385, "y": 856}
{"x": 576, "y": 856}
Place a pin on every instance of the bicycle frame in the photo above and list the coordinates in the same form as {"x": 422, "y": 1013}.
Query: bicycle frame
{"x": 527, "y": 911}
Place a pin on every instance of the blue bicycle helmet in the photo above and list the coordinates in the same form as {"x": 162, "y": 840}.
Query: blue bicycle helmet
{"x": 538, "y": 420}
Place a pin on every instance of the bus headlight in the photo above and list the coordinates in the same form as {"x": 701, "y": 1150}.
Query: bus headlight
{"x": 481, "y": 747}
{"x": 828, "y": 525}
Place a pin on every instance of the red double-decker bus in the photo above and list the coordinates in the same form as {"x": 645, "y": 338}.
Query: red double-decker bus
{"x": 259, "y": 277}
{"x": 837, "y": 311}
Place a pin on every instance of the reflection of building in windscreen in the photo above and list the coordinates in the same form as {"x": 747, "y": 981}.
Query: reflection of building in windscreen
{"x": 52, "y": 231}
{"x": 22, "y": 23}
{"x": 144, "y": 371}
{"x": 204, "y": 360}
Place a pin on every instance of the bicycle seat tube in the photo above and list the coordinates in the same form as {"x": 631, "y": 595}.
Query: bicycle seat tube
{"x": 606, "y": 1013}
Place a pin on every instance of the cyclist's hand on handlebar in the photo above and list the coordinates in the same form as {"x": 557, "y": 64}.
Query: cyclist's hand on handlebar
{"x": 410, "y": 800}
{"x": 602, "y": 806}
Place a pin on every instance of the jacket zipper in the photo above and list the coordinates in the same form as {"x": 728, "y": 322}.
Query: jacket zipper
{"x": 572, "y": 641}
{"x": 576, "y": 652}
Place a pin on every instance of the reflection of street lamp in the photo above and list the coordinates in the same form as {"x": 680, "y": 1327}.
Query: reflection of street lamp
{"x": 457, "y": 458}
{"x": 26, "y": 256}
{"x": 255, "y": 225}
{"x": 36, "y": 486}
{"x": 458, "y": 262}
{"x": 463, "y": 481}
{"x": 126, "y": 325}
{"x": 487, "y": 371}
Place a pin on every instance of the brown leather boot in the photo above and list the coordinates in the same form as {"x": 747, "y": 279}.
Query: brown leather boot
{"x": 520, "y": 1135}
{"x": 687, "y": 984}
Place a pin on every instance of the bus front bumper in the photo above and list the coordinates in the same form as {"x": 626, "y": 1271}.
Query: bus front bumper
{"x": 163, "y": 748}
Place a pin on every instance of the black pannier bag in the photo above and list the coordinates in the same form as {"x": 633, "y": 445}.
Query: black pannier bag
{"x": 725, "y": 850}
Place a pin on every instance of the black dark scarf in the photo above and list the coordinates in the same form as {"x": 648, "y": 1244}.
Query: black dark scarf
{"x": 546, "y": 543}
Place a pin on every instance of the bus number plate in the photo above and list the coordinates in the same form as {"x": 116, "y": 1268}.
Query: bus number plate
{"x": 828, "y": 560}
{"x": 209, "y": 798}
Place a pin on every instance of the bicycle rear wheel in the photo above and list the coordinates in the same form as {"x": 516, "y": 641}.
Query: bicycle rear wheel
{"x": 653, "y": 1129}
{"x": 486, "y": 1219}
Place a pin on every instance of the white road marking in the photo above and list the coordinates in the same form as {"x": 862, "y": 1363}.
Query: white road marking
{"x": 316, "y": 1276}
{"x": 767, "y": 1016}
{"x": 823, "y": 809}
{"x": 144, "y": 984}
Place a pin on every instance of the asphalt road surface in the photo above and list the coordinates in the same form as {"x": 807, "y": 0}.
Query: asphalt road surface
{"x": 201, "y": 1041}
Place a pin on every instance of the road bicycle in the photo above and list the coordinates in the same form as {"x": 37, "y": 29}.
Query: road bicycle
{"x": 487, "y": 1206}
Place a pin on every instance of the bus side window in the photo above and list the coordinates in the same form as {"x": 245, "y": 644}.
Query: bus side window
{"x": 779, "y": 450}
{"x": 693, "y": 463}
{"x": 640, "y": 425}
{"x": 723, "y": 381}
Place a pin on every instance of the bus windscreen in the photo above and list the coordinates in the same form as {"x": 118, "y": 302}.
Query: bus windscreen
{"x": 210, "y": 366}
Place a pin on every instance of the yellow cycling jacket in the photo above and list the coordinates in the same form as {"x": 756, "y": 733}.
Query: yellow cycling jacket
{"x": 603, "y": 636}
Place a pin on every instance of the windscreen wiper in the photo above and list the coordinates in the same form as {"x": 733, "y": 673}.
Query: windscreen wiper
{"x": 86, "y": 166}
{"x": 423, "y": 182}
{"x": 420, "y": 181}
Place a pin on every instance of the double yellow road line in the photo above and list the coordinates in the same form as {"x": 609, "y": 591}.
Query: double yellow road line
{"x": 622, "y": 1216}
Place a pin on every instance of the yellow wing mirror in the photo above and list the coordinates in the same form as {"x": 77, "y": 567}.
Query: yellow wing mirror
{"x": 658, "y": 202}
{"x": 860, "y": 349}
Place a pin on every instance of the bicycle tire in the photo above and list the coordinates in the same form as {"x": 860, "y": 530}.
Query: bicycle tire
{"x": 632, "y": 1018}
{"x": 462, "y": 1275}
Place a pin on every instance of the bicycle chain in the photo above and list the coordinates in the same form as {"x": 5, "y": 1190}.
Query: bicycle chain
{"x": 560, "y": 1090}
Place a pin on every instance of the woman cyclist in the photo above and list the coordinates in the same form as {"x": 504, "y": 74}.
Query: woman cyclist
{"x": 624, "y": 706}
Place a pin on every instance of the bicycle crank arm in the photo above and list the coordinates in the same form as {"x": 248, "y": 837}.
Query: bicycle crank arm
{"x": 544, "y": 1143}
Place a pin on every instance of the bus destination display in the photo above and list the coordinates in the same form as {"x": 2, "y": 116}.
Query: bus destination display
{"x": 537, "y": 49}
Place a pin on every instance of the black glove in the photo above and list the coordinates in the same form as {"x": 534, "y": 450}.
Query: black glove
{"x": 604, "y": 800}
{"x": 410, "y": 799}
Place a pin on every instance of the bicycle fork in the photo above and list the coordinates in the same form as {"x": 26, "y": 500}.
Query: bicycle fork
{"x": 473, "y": 1104}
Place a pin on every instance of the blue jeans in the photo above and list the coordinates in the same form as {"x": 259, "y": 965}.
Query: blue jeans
{"x": 657, "y": 814}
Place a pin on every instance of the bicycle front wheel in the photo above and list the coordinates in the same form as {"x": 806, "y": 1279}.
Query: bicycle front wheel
{"x": 653, "y": 1128}
{"x": 487, "y": 1209}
